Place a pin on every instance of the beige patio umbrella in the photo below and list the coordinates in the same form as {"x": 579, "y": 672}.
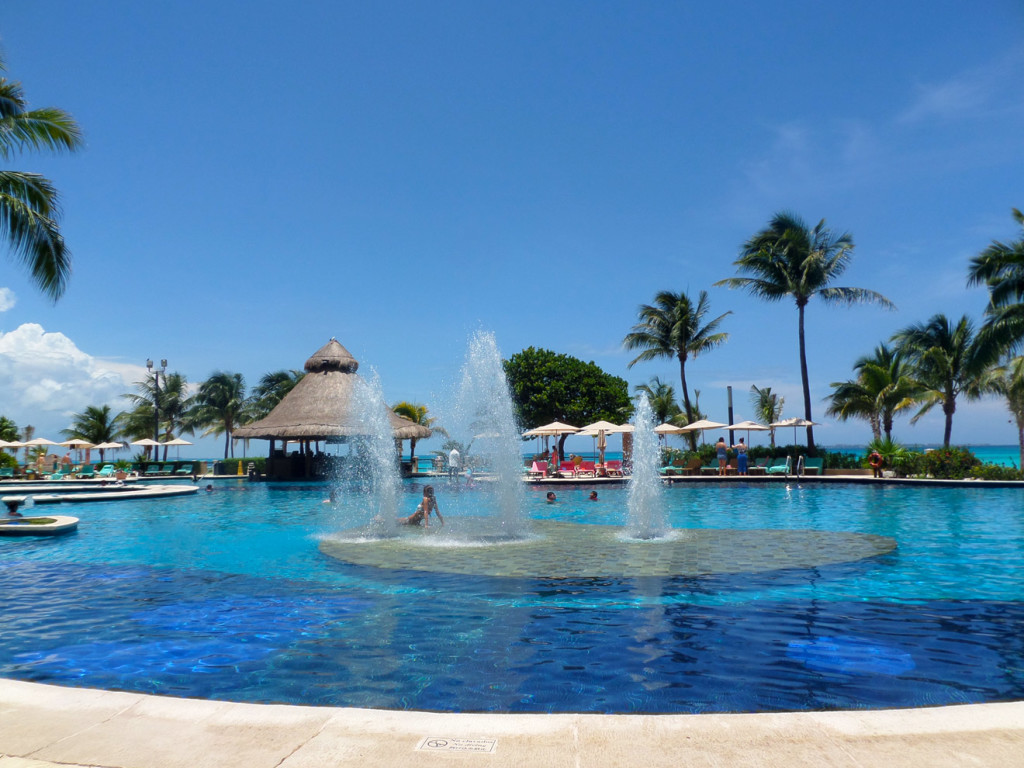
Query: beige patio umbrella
{"x": 748, "y": 427}
{"x": 600, "y": 429}
{"x": 148, "y": 442}
{"x": 668, "y": 429}
{"x": 108, "y": 447}
{"x": 701, "y": 426}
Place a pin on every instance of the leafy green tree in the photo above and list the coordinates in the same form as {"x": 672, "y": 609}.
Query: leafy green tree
{"x": 949, "y": 361}
{"x": 270, "y": 391}
{"x": 417, "y": 414}
{"x": 789, "y": 259}
{"x": 1000, "y": 267}
{"x": 676, "y": 327}
{"x": 29, "y": 203}
{"x": 767, "y": 408}
{"x": 884, "y": 387}
{"x": 662, "y": 399}
{"x": 218, "y": 406}
{"x": 95, "y": 424}
{"x": 547, "y": 386}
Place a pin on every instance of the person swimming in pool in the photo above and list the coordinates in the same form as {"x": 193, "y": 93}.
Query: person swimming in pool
{"x": 423, "y": 510}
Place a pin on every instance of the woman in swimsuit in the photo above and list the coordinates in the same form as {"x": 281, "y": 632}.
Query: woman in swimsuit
{"x": 723, "y": 456}
{"x": 422, "y": 513}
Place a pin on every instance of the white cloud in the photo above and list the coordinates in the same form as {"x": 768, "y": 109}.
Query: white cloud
{"x": 7, "y": 299}
{"x": 45, "y": 377}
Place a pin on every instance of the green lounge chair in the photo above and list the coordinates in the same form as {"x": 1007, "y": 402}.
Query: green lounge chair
{"x": 780, "y": 466}
{"x": 814, "y": 467}
{"x": 710, "y": 469}
{"x": 184, "y": 469}
{"x": 152, "y": 469}
{"x": 7, "y": 472}
{"x": 107, "y": 470}
{"x": 87, "y": 471}
{"x": 758, "y": 467}
{"x": 168, "y": 469}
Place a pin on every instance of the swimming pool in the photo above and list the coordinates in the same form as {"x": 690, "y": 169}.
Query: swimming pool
{"x": 227, "y": 596}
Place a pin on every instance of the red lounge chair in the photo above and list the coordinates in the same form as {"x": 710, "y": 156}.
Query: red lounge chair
{"x": 539, "y": 469}
{"x": 588, "y": 468}
{"x": 567, "y": 468}
{"x": 614, "y": 468}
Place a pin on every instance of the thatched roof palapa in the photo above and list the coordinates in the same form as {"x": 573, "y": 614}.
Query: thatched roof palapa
{"x": 319, "y": 407}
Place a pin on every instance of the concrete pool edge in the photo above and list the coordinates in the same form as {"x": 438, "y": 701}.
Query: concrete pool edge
{"x": 45, "y": 725}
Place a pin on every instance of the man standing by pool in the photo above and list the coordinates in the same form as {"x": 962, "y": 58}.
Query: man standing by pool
{"x": 454, "y": 463}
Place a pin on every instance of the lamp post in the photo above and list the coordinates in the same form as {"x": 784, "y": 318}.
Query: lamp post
{"x": 156, "y": 401}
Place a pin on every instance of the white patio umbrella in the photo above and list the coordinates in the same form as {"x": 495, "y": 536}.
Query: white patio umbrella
{"x": 177, "y": 442}
{"x": 79, "y": 445}
{"x": 669, "y": 429}
{"x": 795, "y": 423}
{"x": 39, "y": 441}
{"x": 108, "y": 447}
{"x": 150, "y": 442}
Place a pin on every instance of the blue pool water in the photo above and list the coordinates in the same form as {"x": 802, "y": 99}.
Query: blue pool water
{"x": 227, "y": 596}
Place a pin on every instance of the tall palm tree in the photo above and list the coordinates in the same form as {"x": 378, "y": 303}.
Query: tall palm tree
{"x": 170, "y": 393}
{"x": 270, "y": 391}
{"x": 674, "y": 327}
{"x": 948, "y": 361}
{"x": 767, "y": 408}
{"x": 1008, "y": 381}
{"x": 95, "y": 424}
{"x": 29, "y": 204}
{"x": 662, "y": 399}
{"x": 789, "y": 259}
{"x": 883, "y": 388}
{"x": 1001, "y": 267}
{"x": 417, "y": 414}
{"x": 218, "y": 405}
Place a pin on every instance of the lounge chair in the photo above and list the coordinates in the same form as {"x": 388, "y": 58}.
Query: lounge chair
{"x": 710, "y": 469}
{"x": 613, "y": 468}
{"x": 539, "y": 469}
{"x": 814, "y": 467}
{"x": 7, "y": 472}
{"x": 107, "y": 470}
{"x": 184, "y": 469}
{"x": 567, "y": 468}
{"x": 152, "y": 469}
{"x": 87, "y": 471}
{"x": 57, "y": 476}
{"x": 780, "y": 466}
{"x": 167, "y": 469}
{"x": 587, "y": 469}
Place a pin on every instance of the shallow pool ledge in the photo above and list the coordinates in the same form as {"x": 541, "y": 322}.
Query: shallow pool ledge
{"x": 46, "y": 725}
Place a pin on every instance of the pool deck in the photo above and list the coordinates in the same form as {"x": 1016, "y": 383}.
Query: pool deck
{"x": 44, "y": 726}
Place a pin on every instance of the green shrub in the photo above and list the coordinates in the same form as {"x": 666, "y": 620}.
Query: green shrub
{"x": 996, "y": 472}
{"x": 952, "y": 463}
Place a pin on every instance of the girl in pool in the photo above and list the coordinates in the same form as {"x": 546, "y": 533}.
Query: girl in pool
{"x": 422, "y": 513}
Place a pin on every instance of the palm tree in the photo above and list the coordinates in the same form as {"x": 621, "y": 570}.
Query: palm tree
{"x": 675, "y": 327}
{"x": 173, "y": 401}
{"x": 662, "y": 399}
{"x": 8, "y": 430}
{"x": 1008, "y": 381}
{"x": 788, "y": 259}
{"x": 270, "y": 391}
{"x": 95, "y": 424}
{"x": 767, "y": 408}
{"x": 29, "y": 206}
{"x": 948, "y": 361}
{"x": 884, "y": 387}
{"x": 218, "y": 405}
{"x": 417, "y": 414}
{"x": 1001, "y": 268}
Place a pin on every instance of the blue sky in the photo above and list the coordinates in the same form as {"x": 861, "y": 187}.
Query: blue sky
{"x": 259, "y": 177}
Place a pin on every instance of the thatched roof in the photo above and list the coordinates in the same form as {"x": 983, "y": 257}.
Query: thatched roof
{"x": 319, "y": 406}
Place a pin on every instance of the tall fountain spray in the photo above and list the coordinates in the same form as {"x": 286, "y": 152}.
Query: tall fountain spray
{"x": 646, "y": 504}
{"x": 375, "y": 458}
{"x": 483, "y": 417}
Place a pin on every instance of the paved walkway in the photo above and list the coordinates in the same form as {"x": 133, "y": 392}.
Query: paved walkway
{"x": 44, "y": 726}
